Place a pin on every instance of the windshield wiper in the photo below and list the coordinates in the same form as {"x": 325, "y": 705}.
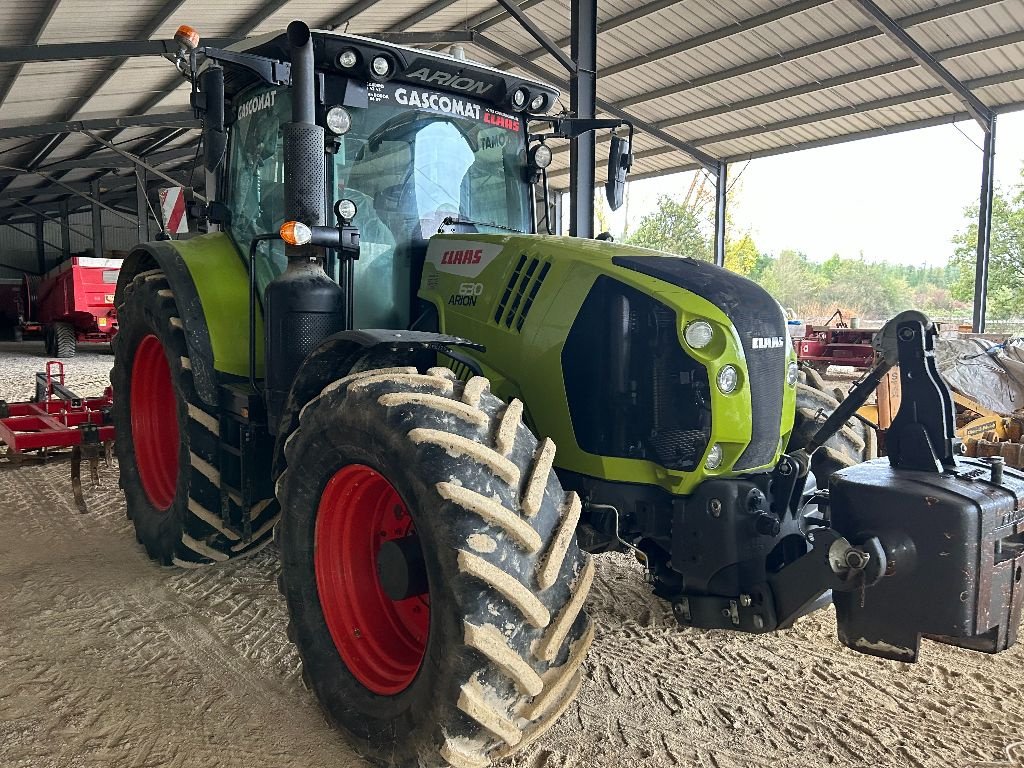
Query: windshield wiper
{"x": 450, "y": 220}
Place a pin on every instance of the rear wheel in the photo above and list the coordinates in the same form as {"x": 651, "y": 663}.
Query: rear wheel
{"x": 430, "y": 567}
{"x": 65, "y": 341}
{"x": 167, "y": 441}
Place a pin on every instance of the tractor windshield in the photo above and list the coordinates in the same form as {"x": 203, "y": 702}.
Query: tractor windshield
{"x": 411, "y": 159}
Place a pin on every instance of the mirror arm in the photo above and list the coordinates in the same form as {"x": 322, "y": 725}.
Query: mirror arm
{"x": 571, "y": 127}
{"x": 629, "y": 154}
{"x": 547, "y": 204}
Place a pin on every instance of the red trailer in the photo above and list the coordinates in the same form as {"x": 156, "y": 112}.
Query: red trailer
{"x": 825, "y": 345}
{"x": 72, "y": 304}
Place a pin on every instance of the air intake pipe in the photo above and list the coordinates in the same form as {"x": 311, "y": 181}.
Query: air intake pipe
{"x": 303, "y": 305}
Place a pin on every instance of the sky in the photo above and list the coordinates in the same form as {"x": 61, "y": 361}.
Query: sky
{"x": 898, "y": 198}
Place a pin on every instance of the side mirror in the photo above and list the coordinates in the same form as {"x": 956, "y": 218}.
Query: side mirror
{"x": 215, "y": 138}
{"x": 214, "y": 212}
{"x": 619, "y": 161}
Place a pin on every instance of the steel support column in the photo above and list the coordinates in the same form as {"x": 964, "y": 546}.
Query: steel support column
{"x": 583, "y": 104}
{"x": 141, "y": 203}
{"x": 988, "y": 158}
{"x": 40, "y": 245}
{"x": 65, "y": 232}
{"x": 721, "y": 190}
{"x": 97, "y": 220}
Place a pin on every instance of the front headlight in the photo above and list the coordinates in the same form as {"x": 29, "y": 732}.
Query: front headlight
{"x": 540, "y": 156}
{"x": 381, "y": 66}
{"x": 714, "y": 459}
{"x": 792, "y": 374}
{"x": 698, "y": 333}
{"x": 728, "y": 377}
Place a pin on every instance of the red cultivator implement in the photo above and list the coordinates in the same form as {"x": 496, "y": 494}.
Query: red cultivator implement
{"x": 55, "y": 419}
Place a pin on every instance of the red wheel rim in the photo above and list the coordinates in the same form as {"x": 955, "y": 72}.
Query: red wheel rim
{"x": 382, "y": 641}
{"x": 154, "y": 414}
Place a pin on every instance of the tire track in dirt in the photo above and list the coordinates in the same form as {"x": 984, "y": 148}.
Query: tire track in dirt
{"x": 662, "y": 695}
{"x": 107, "y": 658}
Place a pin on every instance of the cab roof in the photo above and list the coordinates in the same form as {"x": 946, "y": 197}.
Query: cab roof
{"x": 415, "y": 66}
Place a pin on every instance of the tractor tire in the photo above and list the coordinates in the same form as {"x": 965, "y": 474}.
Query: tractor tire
{"x": 819, "y": 368}
{"x": 486, "y": 652}
{"x": 65, "y": 341}
{"x": 167, "y": 440}
{"x": 853, "y": 444}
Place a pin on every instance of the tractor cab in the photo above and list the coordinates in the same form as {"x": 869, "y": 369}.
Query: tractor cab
{"x": 417, "y": 142}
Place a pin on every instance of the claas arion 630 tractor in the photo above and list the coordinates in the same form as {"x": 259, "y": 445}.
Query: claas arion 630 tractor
{"x": 372, "y": 357}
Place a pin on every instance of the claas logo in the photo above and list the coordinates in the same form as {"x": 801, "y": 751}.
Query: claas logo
{"x": 469, "y": 256}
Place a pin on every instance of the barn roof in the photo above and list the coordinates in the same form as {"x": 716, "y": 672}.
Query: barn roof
{"x": 732, "y": 79}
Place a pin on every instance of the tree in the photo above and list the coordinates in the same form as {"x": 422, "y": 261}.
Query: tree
{"x": 742, "y": 255}
{"x": 672, "y": 228}
{"x": 791, "y": 279}
{"x": 1006, "y": 262}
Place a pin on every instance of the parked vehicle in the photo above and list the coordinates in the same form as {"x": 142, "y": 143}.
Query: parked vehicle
{"x": 819, "y": 346}
{"x": 72, "y": 304}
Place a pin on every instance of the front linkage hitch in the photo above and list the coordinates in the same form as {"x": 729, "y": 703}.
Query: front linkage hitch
{"x": 921, "y": 543}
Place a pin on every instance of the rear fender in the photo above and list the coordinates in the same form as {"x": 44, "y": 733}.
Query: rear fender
{"x": 351, "y": 351}
{"x": 211, "y": 288}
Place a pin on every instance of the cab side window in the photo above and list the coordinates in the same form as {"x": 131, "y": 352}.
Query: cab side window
{"x": 255, "y": 184}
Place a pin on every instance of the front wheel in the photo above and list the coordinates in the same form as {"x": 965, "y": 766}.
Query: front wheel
{"x": 430, "y": 566}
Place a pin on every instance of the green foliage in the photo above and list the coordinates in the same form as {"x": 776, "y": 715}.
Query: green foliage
{"x": 741, "y": 255}
{"x": 672, "y": 228}
{"x": 1006, "y": 263}
{"x": 790, "y": 278}
{"x": 871, "y": 291}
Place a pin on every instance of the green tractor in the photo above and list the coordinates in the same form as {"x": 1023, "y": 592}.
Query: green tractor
{"x": 384, "y": 394}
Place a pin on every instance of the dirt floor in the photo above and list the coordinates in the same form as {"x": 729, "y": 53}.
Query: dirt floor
{"x": 108, "y": 659}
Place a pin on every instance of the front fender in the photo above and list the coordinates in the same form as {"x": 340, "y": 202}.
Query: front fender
{"x": 211, "y": 288}
{"x": 350, "y": 351}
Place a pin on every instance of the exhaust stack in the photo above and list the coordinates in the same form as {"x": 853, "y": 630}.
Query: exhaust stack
{"x": 304, "y": 177}
{"x": 303, "y": 305}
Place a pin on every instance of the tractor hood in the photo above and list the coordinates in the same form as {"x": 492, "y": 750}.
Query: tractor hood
{"x": 591, "y": 336}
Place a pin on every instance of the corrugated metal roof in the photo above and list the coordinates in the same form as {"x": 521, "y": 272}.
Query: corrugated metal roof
{"x": 736, "y": 78}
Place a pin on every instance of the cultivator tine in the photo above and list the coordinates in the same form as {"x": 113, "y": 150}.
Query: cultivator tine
{"x": 94, "y": 468}
{"x": 90, "y": 453}
{"x": 76, "y": 478}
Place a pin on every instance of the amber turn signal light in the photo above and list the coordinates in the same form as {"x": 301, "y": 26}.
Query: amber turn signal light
{"x": 296, "y": 233}
{"x": 187, "y": 37}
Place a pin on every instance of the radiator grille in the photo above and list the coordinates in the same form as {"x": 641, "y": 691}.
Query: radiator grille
{"x": 755, "y": 315}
